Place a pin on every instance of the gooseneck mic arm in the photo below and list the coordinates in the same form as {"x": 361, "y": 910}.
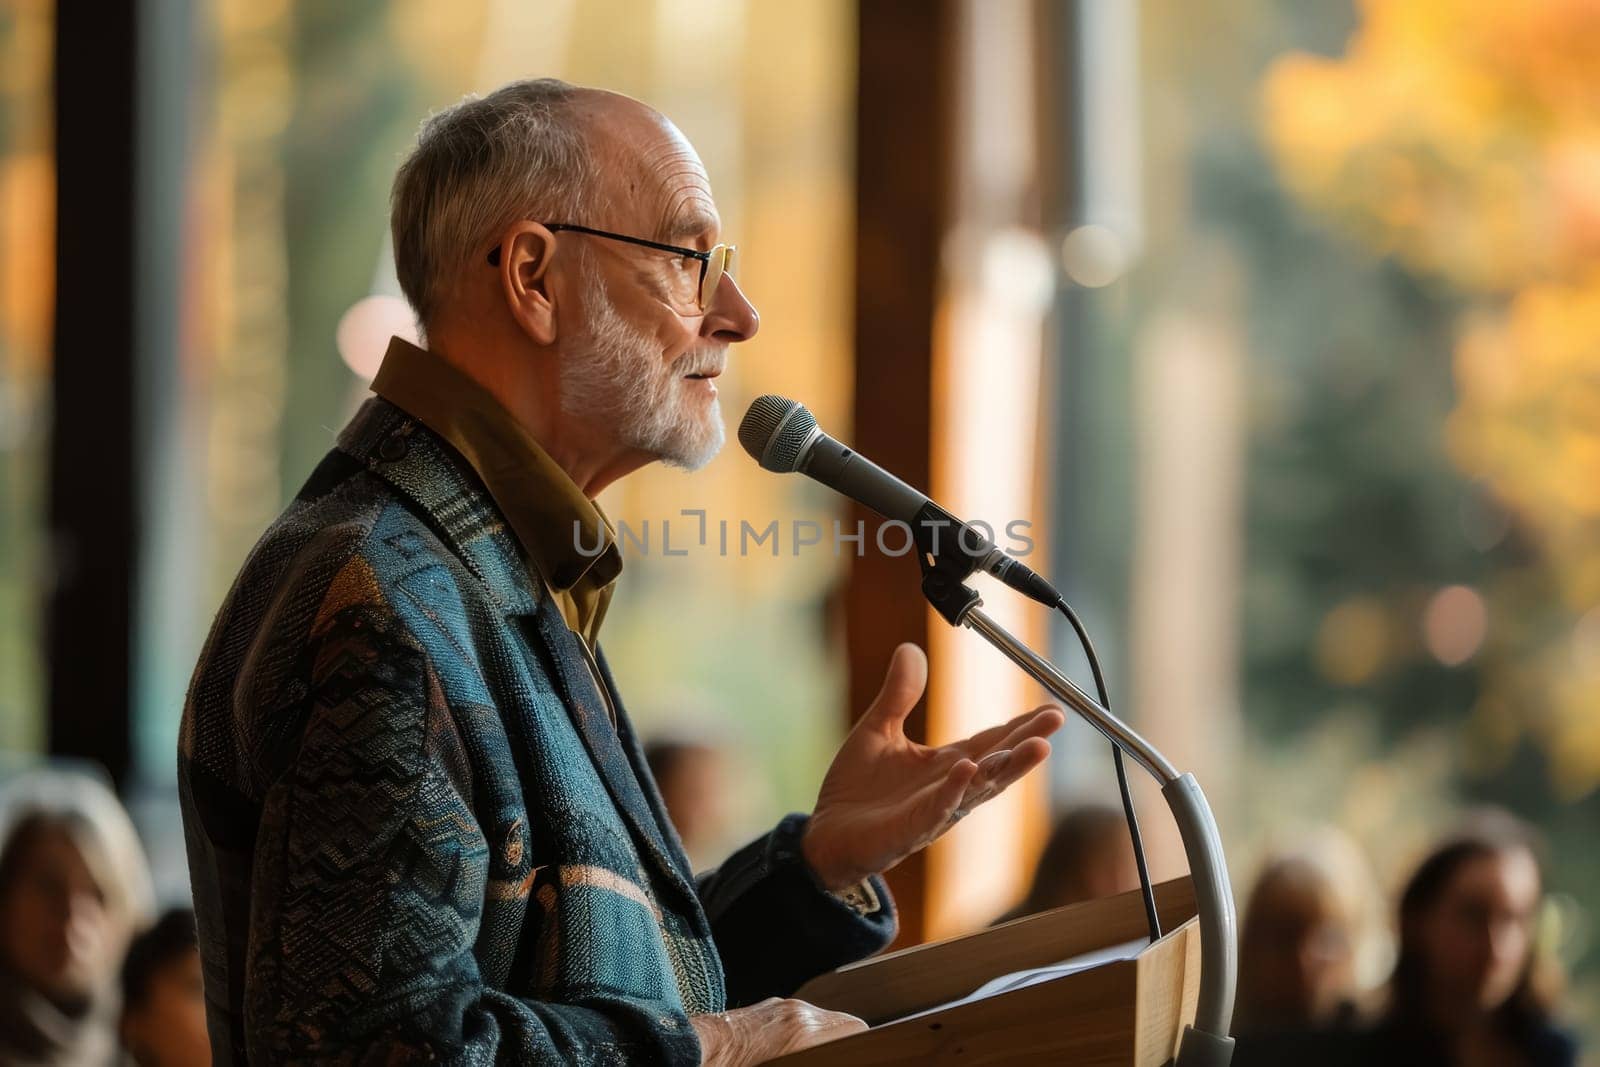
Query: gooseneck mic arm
{"x": 1206, "y": 1043}
{"x": 783, "y": 436}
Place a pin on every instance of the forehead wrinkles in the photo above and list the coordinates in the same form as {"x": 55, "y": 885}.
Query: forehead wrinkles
{"x": 680, "y": 183}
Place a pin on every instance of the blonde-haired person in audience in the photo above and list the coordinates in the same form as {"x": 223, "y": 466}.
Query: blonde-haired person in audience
{"x": 73, "y": 887}
{"x": 1306, "y": 948}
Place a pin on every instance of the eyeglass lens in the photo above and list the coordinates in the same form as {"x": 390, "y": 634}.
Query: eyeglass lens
{"x": 720, "y": 263}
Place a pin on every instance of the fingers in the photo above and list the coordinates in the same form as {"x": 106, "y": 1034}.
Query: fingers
{"x": 809, "y": 1026}
{"x": 969, "y": 784}
{"x": 991, "y": 765}
{"x": 903, "y": 685}
{"x": 998, "y": 770}
{"x": 838, "y": 1024}
{"x": 943, "y": 803}
{"x": 1042, "y": 721}
{"x": 1046, "y": 721}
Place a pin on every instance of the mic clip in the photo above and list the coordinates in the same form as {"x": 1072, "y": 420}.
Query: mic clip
{"x": 946, "y": 562}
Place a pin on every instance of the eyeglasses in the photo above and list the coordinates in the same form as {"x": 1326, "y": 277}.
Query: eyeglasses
{"x": 713, "y": 264}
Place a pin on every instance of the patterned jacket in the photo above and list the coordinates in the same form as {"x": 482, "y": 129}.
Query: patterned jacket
{"x": 415, "y": 834}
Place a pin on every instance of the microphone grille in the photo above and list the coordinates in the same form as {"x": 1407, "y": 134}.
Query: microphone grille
{"x": 774, "y": 431}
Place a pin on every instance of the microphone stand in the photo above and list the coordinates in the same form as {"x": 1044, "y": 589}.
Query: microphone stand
{"x": 1206, "y": 1042}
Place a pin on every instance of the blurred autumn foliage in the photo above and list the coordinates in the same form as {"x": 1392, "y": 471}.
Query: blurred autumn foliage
{"x": 1462, "y": 138}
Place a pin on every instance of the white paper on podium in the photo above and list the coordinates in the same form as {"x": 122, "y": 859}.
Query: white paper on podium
{"x": 1006, "y": 983}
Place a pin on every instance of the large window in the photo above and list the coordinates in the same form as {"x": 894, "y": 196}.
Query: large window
{"x": 1329, "y": 413}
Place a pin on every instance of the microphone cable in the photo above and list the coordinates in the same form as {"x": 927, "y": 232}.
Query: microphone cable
{"x": 1145, "y": 888}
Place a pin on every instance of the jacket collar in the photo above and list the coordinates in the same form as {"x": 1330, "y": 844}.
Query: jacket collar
{"x": 411, "y": 458}
{"x": 555, "y": 523}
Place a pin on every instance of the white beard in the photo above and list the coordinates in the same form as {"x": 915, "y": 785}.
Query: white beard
{"x": 617, "y": 375}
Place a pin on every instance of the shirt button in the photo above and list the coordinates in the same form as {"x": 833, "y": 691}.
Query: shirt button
{"x": 394, "y": 447}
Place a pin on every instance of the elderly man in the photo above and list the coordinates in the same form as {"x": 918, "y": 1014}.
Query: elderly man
{"x": 419, "y": 823}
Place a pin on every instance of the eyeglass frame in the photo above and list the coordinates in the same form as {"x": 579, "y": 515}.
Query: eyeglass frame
{"x": 728, "y": 252}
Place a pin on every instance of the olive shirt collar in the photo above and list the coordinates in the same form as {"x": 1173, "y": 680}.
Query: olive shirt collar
{"x": 566, "y": 537}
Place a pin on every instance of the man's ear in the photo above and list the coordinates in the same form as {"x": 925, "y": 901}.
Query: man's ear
{"x": 524, "y": 258}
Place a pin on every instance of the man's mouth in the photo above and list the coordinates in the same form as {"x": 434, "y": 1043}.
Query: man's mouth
{"x": 704, "y": 375}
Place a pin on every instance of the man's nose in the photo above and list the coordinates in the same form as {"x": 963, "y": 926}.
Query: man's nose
{"x": 730, "y": 317}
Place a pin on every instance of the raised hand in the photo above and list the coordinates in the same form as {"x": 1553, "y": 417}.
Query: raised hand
{"x": 885, "y": 796}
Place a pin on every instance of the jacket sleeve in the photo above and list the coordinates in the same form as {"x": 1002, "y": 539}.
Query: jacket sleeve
{"x": 368, "y": 887}
{"x": 775, "y": 925}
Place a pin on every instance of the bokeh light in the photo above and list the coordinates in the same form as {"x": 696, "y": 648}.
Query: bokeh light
{"x": 1094, "y": 256}
{"x": 1454, "y": 624}
{"x": 364, "y": 332}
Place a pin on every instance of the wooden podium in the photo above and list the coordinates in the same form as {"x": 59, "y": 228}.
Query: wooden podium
{"x": 1129, "y": 1011}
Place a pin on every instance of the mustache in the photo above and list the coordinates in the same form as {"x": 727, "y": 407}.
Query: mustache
{"x": 701, "y": 361}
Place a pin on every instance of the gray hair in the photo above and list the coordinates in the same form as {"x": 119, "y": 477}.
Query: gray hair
{"x": 479, "y": 166}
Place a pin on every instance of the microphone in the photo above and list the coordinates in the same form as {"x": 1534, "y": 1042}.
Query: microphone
{"x": 782, "y": 436}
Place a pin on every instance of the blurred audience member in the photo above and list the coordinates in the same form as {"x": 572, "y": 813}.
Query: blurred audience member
{"x": 1089, "y": 855}
{"x": 1298, "y": 942}
{"x": 1309, "y": 914}
{"x": 163, "y": 1001}
{"x": 1470, "y": 986}
{"x": 73, "y": 887}
{"x": 693, "y": 779}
